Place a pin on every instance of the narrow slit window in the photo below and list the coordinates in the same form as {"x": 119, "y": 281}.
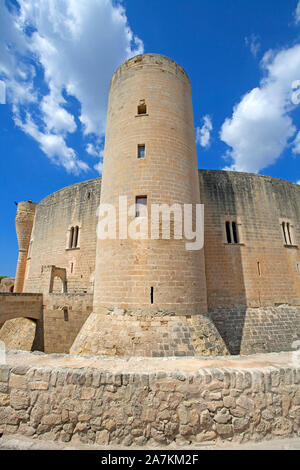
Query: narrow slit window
{"x": 140, "y": 202}
{"x": 152, "y": 295}
{"x": 232, "y": 232}
{"x": 289, "y": 233}
{"x": 141, "y": 151}
{"x": 284, "y": 233}
{"x": 258, "y": 268}
{"x": 142, "y": 108}
{"x": 235, "y": 232}
{"x": 287, "y": 229}
{"x": 76, "y": 234}
{"x": 228, "y": 232}
{"x": 71, "y": 238}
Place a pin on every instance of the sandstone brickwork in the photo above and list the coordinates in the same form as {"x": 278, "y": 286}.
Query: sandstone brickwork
{"x": 127, "y": 269}
{"x": 259, "y": 204}
{"x": 64, "y": 315}
{"x": 121, "y": 333}
{"x": 253, "y": 330}
{"x": 24, "y": 223}
{"x": 73, "y": 206}
{"x": 18, "y": 333}
{"x": 7, "y": 285}
{"x": 138, "y": 403}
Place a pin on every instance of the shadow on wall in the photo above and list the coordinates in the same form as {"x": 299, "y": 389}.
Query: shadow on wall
{"x": 223, "y": 257}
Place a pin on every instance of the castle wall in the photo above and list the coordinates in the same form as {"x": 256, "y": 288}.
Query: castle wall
{"x": 74, "y": 206}
{"x": 63, "y": 317}
{"x": 20, "y": 305}
{"x": 255, "y": 307}
{"x": 259, "y": 204}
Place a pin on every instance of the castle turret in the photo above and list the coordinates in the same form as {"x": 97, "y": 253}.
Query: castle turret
{"x": 149, "y": 158}
{"x": 150, "y": 155}
{"x": 24, "y": 223}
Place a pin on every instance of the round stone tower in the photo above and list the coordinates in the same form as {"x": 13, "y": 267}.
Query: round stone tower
{"x": 150, "y": 153}
{"x": 149, "y": 158}
{"x": 24, "y": 223}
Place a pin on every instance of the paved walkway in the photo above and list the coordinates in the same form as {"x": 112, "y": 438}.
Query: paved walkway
{"x": 150, "y": 364}
{"x": 15, "y": 442}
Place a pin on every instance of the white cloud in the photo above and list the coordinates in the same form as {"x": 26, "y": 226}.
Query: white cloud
{"x": 94, "y": 150}
{"x": 203, "y": 133}
{"x": 261, "y": 126}
{"x": 78, "y": 45}
{"x": 296, "y": 144}
{"x": 253, "y": 42}
{"x": 98, "y": 167}
{"x": 297, "y": 13}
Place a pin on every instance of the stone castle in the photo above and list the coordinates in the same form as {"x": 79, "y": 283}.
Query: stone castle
{"x": 75, "y": 293}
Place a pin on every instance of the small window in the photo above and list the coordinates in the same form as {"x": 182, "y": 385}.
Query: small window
{"x": 140, "y": 201}
{"x": 232, "y": 234}
{"x": 74, "y": 237}
{"x": 152, "y": 295}
{"x": 142, "y": 108}
{"x": 141, "y": 151}
{"x": 287, "y": 230}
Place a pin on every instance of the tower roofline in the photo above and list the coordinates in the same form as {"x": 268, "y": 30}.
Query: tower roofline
{"x": 159, "y": 59}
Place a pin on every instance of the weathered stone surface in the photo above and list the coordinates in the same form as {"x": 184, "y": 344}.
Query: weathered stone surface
{"x": 18, "y": 333}
{"x": 123, "y": 409}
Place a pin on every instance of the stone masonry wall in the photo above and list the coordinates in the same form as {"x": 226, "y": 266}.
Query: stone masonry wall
{"x": 261, "y": 270}
{"x": 20, "y": 305}
{"x": 133, "y": 404}
{"x": 121, "y": 333}
{"x": 73, "y": 206}
{"x": 64, "y": 315}
{"x": 255, "y": 330}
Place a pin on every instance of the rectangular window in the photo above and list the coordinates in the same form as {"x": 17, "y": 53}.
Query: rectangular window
{"x": 232, "y": 233}
{"x": 287, "y": 230}
{"x": 140, "y": 202}
{"x": 152, "y": 295}
{"x": 141, "y": 151}
{"x": 142, "y": 108}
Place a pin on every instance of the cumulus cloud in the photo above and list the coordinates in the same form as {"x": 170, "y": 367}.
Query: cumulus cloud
{"x": 261, "y": 125}
{"x": 203, "y": 133}
{"x": 296, "y": 144}
{"x": 73, "y": 47}
{"x": 253, "y": 42}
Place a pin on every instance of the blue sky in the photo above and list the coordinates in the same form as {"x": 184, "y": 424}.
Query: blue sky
{"x": 57, "y": 57}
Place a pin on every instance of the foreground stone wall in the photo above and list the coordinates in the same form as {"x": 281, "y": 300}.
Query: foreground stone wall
{"x": 131, "y": 402}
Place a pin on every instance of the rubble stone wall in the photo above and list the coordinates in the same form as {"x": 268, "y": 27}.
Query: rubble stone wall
{"x": 137, "y": 405}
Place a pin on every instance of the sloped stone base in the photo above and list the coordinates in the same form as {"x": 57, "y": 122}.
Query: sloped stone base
{"x": 117, "y": 333}
{"x": 18, "y": 333}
